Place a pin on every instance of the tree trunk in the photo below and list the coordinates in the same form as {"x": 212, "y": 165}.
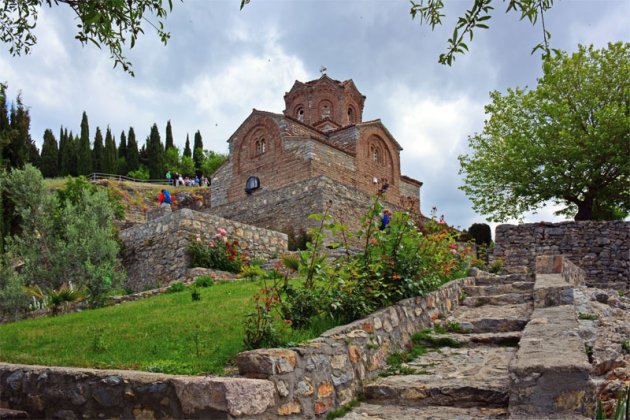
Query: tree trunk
{"x": 585, "y": 209}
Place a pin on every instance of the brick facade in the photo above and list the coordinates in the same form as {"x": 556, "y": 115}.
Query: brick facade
{"x": 320, "y": 134}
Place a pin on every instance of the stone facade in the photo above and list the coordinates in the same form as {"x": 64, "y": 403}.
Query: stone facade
{"x": 601, "y": 249}
{"x": 154, "y": 253}
{"x": 304, "y": 381}
{"x": 285, "y": 209}
{"x": 320, "y": 134}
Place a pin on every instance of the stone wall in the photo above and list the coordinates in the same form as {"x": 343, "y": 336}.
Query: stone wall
{"x": 329, "y": 371}
{"x": 154, "y": 253}
{"x": 289, "y": 207}
{"x": 304, "y": 381}
{"x": 601, "y": 249}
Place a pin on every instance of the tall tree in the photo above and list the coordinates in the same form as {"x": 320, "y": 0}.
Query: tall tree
{"x": 64, "y": 156}
{"x": 133, "y": 156}
{"x": 198, "y": 151}
{"x": 155, "y": 154}
{"x": 566, "y": 141}
{"x": 110, "y": 153}
{"x": 113, "y": 24}
{"x": 187, "y": 151}
{"x": 50, "y": 152}
{"x": 169, "y": 136}
{"x": 73, "y": 156}
{"x": 98, "y": 154}
{"x": 84, "y": 153}
{"x": 4, "y": 123}
{"x": 16, "y": 152}
{"x": 122, "y": 154}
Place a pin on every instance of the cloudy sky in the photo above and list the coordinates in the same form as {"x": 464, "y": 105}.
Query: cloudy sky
{"x": 221, "y": 62}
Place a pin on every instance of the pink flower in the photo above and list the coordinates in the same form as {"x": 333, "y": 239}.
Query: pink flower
{"x": 217, "y": 236}
{"x": 222, "y": 231}
{"x": 198, "y": 238}
{"x": 453, "y": 251}
{"x": 211, "y": 243}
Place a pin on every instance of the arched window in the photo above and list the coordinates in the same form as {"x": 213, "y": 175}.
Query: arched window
{"x": 350, "y": 115}
{"x": 325, "y": 109}
{"x": 375, "y": 154}
{"x": 253, "y": 183}
{"x": 299, "y": 114}
{"x": 260, "y": 146}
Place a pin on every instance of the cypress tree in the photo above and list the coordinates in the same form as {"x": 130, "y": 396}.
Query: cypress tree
{"x": 73, "y": 148}
{"x": 64, "y": 157}
{"x": 16, "y": 152}
{"x": 121, "y": 166}
{"x": 169, "y": 136}
{"x": 50, "y": 152}
{"x": 187, "y": 151}
{"x": 198, "y": 151}
{"x": 155, "y": 154}
{"x": 84, "y": 154}
{"x": 98, "y": 154}
{"x": 133, "y": 156}
{"x": 110, "y": 153}
{"x": 4, "y": 122}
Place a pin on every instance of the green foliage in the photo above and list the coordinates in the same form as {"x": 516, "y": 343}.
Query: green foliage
{"x": 588, "y": 316}
{"x": 252, "y": 272}
{"x": 496, "y": 266}
{"x": 63, "y": 237}
{"x": 98, "y": 152}
{"x": 198, "y": 151}
{"x": 217, "y": 252}
{"x": 211, "y": 162}
{"x": 481, "y": 233}
{"x": 187, "y": 151}
{"x": 622, "y": 407}
{"x": 565, "y": 141}
{"x": 84, "y": 153}
{"x": 176, "y": 287}
{"x": 13, "y": 299}
{"x": 625, "y": 346}
{"x": 110, "y": 153}
{"x": 59, "y": 298}
{"x": 195, "y": 295}
{"x": 343, "y": 410}
{"x": 133, "y": 155}
{"x": 155, "y": 154}
{"x": 203, "y": 281}
{"x": 429, "y": 12}
{"x": 141, "y": 173}
{"x": 49, "y": 163}
{"x": 113, "y": 24}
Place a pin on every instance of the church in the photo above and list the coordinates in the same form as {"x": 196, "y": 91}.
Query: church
{"x": 318, "y": 154}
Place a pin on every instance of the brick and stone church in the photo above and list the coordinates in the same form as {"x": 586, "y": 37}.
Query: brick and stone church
{"x": 318, "y": 153}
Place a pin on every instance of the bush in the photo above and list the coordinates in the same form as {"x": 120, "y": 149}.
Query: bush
{"x": 252, "y": 272}
{"x": 218, "y": 252}
{"x": 176, "y": 287}
{"x": 140, "y": 173}
{"x": 297, "y": 240}
{"x": 204, "y": 281}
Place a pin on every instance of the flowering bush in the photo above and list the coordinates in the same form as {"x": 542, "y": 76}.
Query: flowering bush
{"x": 216, "y": 252}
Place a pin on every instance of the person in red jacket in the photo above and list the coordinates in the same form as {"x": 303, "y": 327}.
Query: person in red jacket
{"x": 165, "y": 199}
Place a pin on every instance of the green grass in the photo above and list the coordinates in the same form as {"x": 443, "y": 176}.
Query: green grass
{"x": 169, "y": 333}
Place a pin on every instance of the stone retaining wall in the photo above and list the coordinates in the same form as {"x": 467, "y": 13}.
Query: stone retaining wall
{"x": 305, "y": 381}
{"x": 329, "y": 371}
{"x": 601, "y": 249}
{"x": 154, "y": 253}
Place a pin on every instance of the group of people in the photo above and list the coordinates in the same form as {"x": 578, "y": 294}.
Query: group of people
{"x": 185, "y": 181}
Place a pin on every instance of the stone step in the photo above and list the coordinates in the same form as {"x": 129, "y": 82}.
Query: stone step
{"x": 491, "y": 279}
{"x": 394, "y": 412}
{"x": 459, "y": 377}
{"x": 497, "y": 300}
{"x": 6, "y": 413}
{"x": 491, "y": 319}
{"x": 503, "y": 339}
{"x": 499, "y": 289}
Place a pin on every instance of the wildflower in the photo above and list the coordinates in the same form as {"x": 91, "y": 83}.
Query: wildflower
{"x": 453, "y": 246}
{"x": 453, "y": 251}
{"x": 222, "y": 231}
{"x": 198, "y": 238}
{"x": 211, "y": 244}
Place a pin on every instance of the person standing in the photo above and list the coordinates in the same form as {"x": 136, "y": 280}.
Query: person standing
{"x": 168, "y": 177}
{"x": 385, "y": 219}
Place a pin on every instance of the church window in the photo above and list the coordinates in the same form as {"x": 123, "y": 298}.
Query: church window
{"x": 299, "y": 114}
{"x": 261, "y": 146}
{"x": 253, "y": 183}
{"x": 350, "y": 115}
{"x": 375, "y": 154}
{"x": 325, "y": 109}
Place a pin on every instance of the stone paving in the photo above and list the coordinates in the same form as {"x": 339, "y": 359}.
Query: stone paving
{"x": 467, "y": 382}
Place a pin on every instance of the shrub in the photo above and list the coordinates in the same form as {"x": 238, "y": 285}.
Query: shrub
{"x": 496, "y": 266}
{"x": 252, "y": 272}
{"x": 57, "y": 299}
{"x": 176, "y": 287}
{"x": 217, "y": 252}
{"x": 140, "y": 173}
{"x": 204, "y": 281}
{"x": 195, "y": 295}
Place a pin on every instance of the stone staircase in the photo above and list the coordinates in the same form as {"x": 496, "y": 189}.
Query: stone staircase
{"x": 469, "y": 381}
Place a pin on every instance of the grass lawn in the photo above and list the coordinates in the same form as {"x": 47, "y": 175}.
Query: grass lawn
{"x": 168, "y": 333}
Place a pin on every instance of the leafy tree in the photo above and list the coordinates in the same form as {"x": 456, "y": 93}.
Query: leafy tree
{"x": 187, "y": 166}
{"x": 84, "y": 153}
{"x": 113, "y": 24}
{"x": 172, "y": 160}
{"x": 187, "y": 151}
{"x": 212, "y": 161}
{"x": 567, "y": 140}
{"x": 50, "y": 152}
{"x": 155, "y": 154}
{"x": 98, "y": 154}
{"x": 169, "y": 136}
{"x": 198, "y": 151}
{"x": 133, "y": 156}
{"x": 110, "y": 153}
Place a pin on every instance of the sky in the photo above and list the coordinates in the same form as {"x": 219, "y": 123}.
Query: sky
{"x": 221, "y": 62}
